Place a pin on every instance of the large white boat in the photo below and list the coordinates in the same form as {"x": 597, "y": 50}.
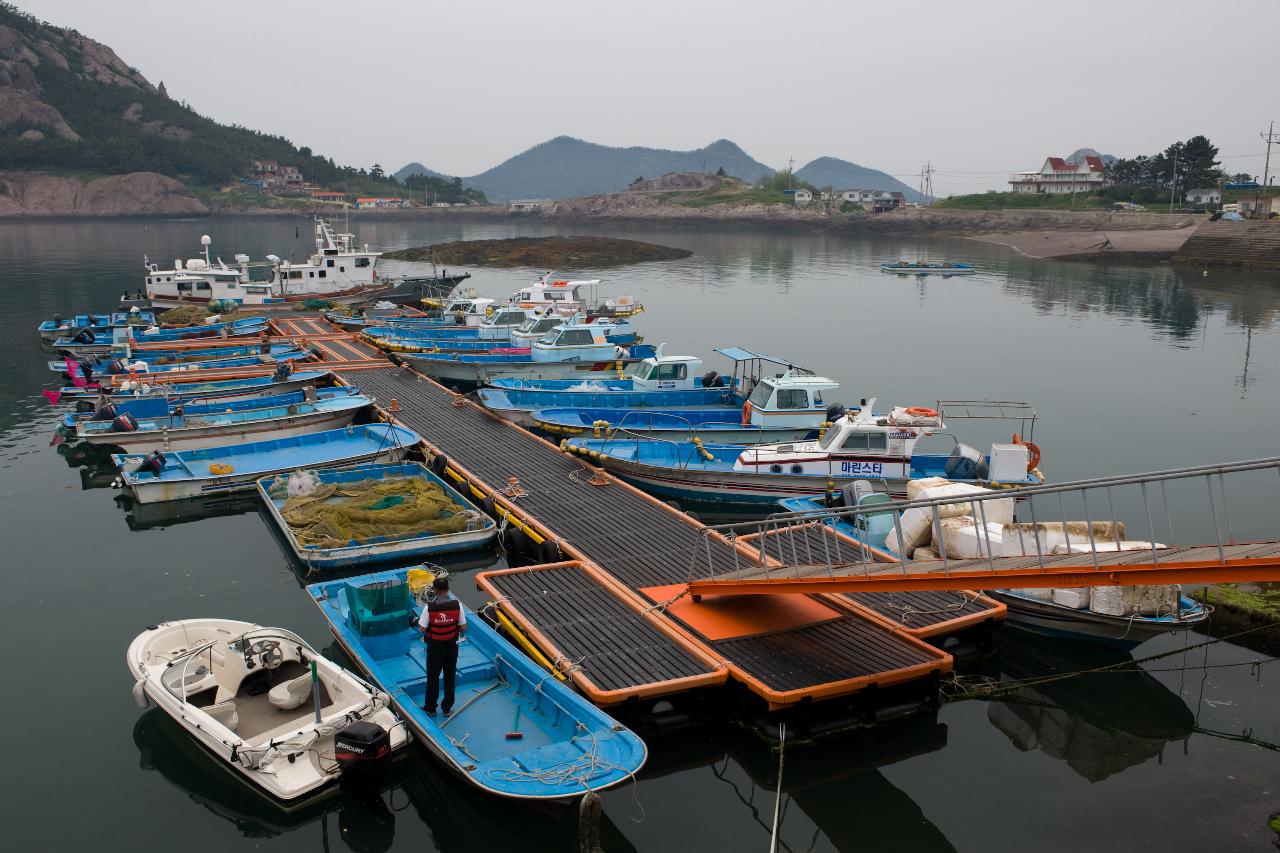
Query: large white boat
{"x": 338, "y": 272}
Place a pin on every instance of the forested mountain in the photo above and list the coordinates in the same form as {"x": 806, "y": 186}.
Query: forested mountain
{"x": 843, "y": 175}
{"x": 565, "y": 167}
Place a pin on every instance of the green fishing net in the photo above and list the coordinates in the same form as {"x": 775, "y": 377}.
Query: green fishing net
{"x": 336, "y": 515}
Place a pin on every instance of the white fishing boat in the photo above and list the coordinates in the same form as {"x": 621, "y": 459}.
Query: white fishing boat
{"x": 264, "y": 702}
{"x": 566, "y": 297}
{"x": 338, "y": 272}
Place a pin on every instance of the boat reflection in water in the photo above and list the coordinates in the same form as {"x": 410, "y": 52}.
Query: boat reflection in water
{"x": 96, "y": 469}
{"x": 158, "y": 516}
{"x": 1099, "y": 724}
{"x": 362, "y": 813}
{"x": 834, "y": 790}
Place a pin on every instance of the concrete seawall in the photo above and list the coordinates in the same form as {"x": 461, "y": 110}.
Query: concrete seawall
{"x": 1233, "y": 244}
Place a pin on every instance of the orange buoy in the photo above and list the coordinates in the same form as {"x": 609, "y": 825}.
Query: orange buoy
{"x": 746, "y": 413}
{"x": 1033, "y": 452}
{"x": 922, "y": 412}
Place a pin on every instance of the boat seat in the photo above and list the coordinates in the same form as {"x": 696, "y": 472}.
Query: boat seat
{"x": 290, "y": 694}
{"x": 225, "y": 713}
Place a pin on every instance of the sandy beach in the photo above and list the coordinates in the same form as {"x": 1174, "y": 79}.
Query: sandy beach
{"x": 1063, "y": 244}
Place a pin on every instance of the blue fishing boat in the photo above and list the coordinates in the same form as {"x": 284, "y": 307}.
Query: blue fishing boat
{"x": 103, "y": 338}
{"x": 495, "y": 326}
{"x": 793, "y": 406}
{"x": 396, "y": 338}
{"x": 661, "y": 382}
{"x": 163, "y": 359}
{"x": 197, "y": 392}
{"x": 233, "y": 328}
{"x": 189, "y": 473}
{"x": 409, "y": 510}
{"x": 118, "y": 367}
{"x": 62, "y": 327}
{"x": 144, "y": 408}
{"x": 182, "y": 431}
{"x": 570, "y": 351}
{"x": 516, "y": 730}
{"x": 858, "y": 446}
{"x": 928, "y": 268}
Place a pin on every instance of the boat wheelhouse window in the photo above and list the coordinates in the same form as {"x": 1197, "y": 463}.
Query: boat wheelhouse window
{"x": 184, "y": 287}
{"x": 793, "y": 398}
{"x": 673, "y": 371}
{"x": 295, "y": 273}
{"x": 645, "y": 371}
{"x": 329, "y": 262}
{"x": 323, "y": 273}
{"x": 575, "y": 337}
{"x": 342, "y": 269}
{"x": 548, "y": 323}
{"x": 311, "y": 274}
{"x": 203, "y": 285}
{"x": 331, "y": 252}
{"x": 525, "y": 295}
{"x": 362, "y": 262}
{"x": 761, "y": 395}
{"x": 507, "y": 318}
{"x": 872, "y": 441}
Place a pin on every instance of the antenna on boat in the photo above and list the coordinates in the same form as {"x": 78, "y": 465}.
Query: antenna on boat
{"x": 205, "y": 241}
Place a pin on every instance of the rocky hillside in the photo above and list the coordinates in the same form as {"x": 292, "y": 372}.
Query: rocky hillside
{"x": 28, "y": 194}
{"x": 71, "y": 106}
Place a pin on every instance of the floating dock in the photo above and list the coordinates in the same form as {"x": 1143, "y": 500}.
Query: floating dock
{"x": 609, "y": 604}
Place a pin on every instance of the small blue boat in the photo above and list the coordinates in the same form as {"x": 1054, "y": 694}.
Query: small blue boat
{"x": 196, "y": 392}
{"x": 214, "y": 470}
{"x": 144, "y": 408}
{"x": 566, "y": 747}
{"x": 407, "y": 539}
{"x": 233, "y": 328}
{"x": 584, "y": 362}
{"x": 111, "y": 368}
{"x": 60, "y": 327}
{"x": 183, "y": 431}
{"x": 927, "y": 268}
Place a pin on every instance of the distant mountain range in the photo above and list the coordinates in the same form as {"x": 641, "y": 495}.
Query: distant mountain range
{"x": 565, "y": 167}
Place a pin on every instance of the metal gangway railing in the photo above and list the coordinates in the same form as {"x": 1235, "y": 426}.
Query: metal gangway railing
{"x": 1065, "y": 535}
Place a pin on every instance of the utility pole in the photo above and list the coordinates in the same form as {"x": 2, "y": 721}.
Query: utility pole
{"x": 1270, "y": 138}
{"x": 791, "y": 172}
{"x": 926, "y": 182}
{"x": 1173, "y": 185}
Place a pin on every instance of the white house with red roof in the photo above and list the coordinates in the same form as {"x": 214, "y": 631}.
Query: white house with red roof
{"x": 1059, "y": 176}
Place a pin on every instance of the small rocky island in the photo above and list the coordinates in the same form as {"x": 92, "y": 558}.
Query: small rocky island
{"x": 544, "y": 252}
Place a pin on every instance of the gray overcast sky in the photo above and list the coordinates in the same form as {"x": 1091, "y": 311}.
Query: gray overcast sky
{"x": 979, "y": 88}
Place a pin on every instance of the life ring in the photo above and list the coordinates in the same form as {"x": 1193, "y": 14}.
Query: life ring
{"x": 746, "y": 413}
{"x": 1033, "y": 452}
{"x": 922, "y": 412}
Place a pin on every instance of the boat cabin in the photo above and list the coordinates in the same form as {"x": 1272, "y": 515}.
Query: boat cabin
{"x": 501, "y": 322}
{"x": 578, "y": 341}
{"x": 534, "y": 328}
{"x": 668, "y": 373}
{"x": 337, "y": 267}
{"x": 562, "y": 296}
{"x": 858, "y": 444}
{"x": 792, "y": 398}
{"x": 467, "y": 310}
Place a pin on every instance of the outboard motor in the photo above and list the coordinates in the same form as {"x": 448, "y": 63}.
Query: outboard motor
{"x": 709, "y": 380}
{"x": 124, "y": 423}
{"x": 361, "y": 746}
{"x": 84, "y": 406}
{"x": 965, "y": 463}
{"x": 835, "y": 412}
{"x": 106, "y": 413}
{"x": 118, "y": 367}
{"x": 84, "y": 336}
{"x": 153, "y": 462}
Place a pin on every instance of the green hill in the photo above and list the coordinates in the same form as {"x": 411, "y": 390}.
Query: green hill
{"x": 70, "y": 105}
{"x": 565, "y": 167}
{"x": 843, "y": 175}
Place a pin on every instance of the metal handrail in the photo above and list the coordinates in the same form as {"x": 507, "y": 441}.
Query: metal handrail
{"x": 777, "y": 523}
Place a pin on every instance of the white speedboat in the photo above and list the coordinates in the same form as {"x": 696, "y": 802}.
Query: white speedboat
{"x": 249, "y": 695}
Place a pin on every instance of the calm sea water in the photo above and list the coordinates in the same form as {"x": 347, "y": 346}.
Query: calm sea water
{"x": 1130, "y": 369}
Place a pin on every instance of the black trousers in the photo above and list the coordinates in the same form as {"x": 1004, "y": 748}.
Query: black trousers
{"x": 441, "y": 657}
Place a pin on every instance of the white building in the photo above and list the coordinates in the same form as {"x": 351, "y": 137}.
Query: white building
{"x": 1059, "y": 176}
{"x": 872, "y": 201}
{"x": 803, "y": 197}
{"x": 525, "y": 205}
{"x": 1208, "y": 195}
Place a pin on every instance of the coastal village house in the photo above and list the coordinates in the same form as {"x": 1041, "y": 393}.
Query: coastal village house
{"x": 872, "y": 201}
{"x": 1059, "y": 176}
{"x": 803, "y": 197}
{"x": 1261, "y": 207}
{"x": 1211, "y": 195}
{"x": 327, "y": 195}
{"x": 525, "y": 206}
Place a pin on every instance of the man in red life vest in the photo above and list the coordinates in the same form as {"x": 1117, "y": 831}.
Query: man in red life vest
{"x": 443, "y": 623}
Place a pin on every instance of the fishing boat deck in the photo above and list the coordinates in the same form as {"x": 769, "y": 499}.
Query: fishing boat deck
{"x": 634, "y": 551}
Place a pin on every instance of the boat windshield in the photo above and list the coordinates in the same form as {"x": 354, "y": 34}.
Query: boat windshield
{"x": 828, "y": 438}
{"x": 760, "y": 396}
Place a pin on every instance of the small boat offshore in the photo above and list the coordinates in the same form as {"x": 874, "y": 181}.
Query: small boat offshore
{"x": 928, "y": 268}
{"x": 517, "y": 731}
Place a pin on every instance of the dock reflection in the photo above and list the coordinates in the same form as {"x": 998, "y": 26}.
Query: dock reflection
{"x": 1099, "y": 724}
